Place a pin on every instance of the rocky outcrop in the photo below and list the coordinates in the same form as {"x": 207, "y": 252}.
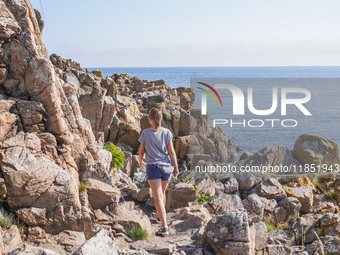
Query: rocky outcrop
{"x": 310, "y": 149}
{"x": 224, "y": 202}
{"x": 303, "y": 193}
{"x": 180, "y": 195}
{"x": 272, "y": 155}
{"x": 101, "y": 243}
{"x": 271, "y": 188}
{"x": 229, "y": 233}
{"x": 326, "y": 245}
{"x": 64, "y": 64}
{"x": 10, "y": 239}
{"x": 44, "y": 140}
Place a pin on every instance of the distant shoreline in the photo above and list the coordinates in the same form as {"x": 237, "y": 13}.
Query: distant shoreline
{"x": 203, "y": 67}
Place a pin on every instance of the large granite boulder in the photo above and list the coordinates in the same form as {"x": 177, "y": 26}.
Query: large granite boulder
{"x": 42, "y": 193}
{"x": 230, "y": 185}
{"x": 10, "y": 239}
{"x": 34, "y": 181}
{"x": 303, "y": 192}
{"x": 223, "y": 202}
{"x": 180, "y": 195}
{"x": 254, "y": 204}
{"x": 229, "y": 233}
{"x": 247, "y": 181}
{"x": 192, "y": 217}
{"x": 272, "y": 155}
{"x": 271, "y": 189}
{"x": 101, "y": 243}
{"x": 125, "y": 214}
{"x": 309, "y": 149}
{"x": 292, "y": 205}
{"x": 323, "y": 204}
{"x": 286, "y": 237}
{"x": 206, "y": 186}
{"x": 101, "y": 194}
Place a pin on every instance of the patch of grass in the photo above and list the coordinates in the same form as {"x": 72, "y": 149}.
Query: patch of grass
{"x": 195, "y": 187}
{"x": 322, "y": 185}
{"x": 282, "y": 226}
{"x": 6, "y": 219}
{"x": 279, "y": 226}
{"x": 329, "y": 194}
{"x": 21, "y": 226}
{"x": 270, "y": 226}
{"x": 82, "y": 187}
{"x": 201, "y": 198}
{"x": 136, "y": 232}
{"x": 317, "y": 184}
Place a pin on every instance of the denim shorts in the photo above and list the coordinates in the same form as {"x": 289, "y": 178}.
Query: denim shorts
{"x": 153, "y": 172}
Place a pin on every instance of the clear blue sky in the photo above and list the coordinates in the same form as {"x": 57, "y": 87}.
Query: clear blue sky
{"x": 136, "y": 33}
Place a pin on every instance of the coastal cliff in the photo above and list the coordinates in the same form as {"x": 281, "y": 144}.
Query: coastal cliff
{"x": 60, "y": 194}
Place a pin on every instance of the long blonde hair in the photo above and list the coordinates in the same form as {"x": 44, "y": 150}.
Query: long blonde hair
{"x": 156, "y": 115}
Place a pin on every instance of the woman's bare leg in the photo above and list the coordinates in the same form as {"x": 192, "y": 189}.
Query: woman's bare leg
{"x": 164, "y": 186}
{"x": 157, "y": 192}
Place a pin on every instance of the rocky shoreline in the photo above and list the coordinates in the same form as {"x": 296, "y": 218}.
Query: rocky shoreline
{"x": 60, "y": 195}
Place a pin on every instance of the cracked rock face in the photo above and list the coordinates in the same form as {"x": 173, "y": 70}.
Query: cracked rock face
{"x": 229, "y": 233}
{"x": 44, "y": 140}
{"x": 37, "y": 187}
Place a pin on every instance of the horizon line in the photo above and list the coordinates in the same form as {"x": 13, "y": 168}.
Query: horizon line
{"x": 200, "y": 66}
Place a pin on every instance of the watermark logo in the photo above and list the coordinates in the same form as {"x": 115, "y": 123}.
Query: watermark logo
{"x": 239, "y": 101}
{"x": 247, "y": 100}
{"x": 204, "y": 96}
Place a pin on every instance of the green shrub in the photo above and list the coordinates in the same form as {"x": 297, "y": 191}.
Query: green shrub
{"x": 136, "y": 232}
{"x": 82, "y": 187}
{"x": 201, "y": 198}
{"x": 195, "y": 187}
{"x": 118, "y": 157}
{"x": 6, "y": 219}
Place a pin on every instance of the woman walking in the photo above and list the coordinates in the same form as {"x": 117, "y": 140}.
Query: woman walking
{"x": 156, "y": 144}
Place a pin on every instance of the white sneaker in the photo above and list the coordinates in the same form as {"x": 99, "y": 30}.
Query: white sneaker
{"x": 163, "y": 231}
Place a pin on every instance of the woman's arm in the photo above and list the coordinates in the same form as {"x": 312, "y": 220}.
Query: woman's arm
{"x": 173, "y": 157}
{"x": 141, "y": 154}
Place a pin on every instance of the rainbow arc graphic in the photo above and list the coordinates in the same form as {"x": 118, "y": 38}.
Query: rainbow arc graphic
{"x": 209, "y": 93}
